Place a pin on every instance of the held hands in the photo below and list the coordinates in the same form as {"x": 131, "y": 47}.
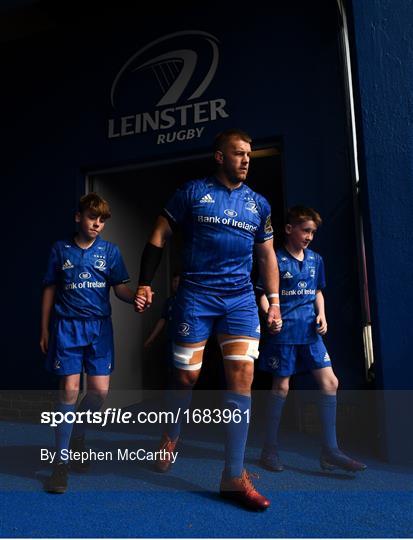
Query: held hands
{"x": 321, "y": 323}
{"x": 274, "y": 321}
{"x": 143, "y": 298}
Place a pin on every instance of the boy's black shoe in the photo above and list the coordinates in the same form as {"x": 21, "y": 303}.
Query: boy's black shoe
{"x": 270, "y": 459}
{"x": 57, "y": 483}
{"x": 77, "y": 444}
{"x": 335, "y": 459}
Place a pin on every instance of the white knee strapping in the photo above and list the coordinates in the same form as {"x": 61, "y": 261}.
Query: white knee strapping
{"x": 183, "y": 357}
{"x": 250, "y": 354}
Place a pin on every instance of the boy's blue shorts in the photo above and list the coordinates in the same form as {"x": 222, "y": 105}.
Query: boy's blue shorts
{"x": 283, "y": 360}
{"x": 196, "y": 315}
{"x": 81, "y": 344}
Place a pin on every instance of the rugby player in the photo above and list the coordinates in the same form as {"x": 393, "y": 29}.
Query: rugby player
{"x": 222, "y": 221}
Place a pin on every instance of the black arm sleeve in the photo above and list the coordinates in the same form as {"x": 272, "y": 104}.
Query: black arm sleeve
{"x": 151, "y": 257}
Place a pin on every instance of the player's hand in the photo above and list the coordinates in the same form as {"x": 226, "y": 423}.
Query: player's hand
{"x": 44, "y": 341}
{"x": 139, "y": 303}
{"x": 143, "y": 298}
{"x": 321, "y": 323}
{"x": 274, "y": 321}
{"x": 148, "y": 344}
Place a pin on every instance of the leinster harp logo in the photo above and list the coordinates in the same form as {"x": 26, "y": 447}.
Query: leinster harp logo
{"x": 160, "y": 89}
{"x": 174, "y": 69}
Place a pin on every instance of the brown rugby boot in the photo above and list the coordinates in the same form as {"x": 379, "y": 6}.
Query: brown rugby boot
{"x": 242, "y": 490}
{"x": 163, "y": 462}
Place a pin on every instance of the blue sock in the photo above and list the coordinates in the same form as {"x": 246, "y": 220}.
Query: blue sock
{"x": 328, "y": 410}
{"x": 174, "y": 400}
{"x": 91, "y": 402}
{"x": 275, "y": 407}
{"x": 236, "y": 433}
{"x": 63, "y": 431}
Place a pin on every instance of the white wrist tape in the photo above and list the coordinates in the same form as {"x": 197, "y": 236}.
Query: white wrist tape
{"x": 273, "y": 295}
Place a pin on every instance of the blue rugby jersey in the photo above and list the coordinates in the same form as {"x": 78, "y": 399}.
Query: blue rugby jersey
{"x": 299, "y": 282}
{"x": 83, "y": 278}
{"x": 220, "y": 228}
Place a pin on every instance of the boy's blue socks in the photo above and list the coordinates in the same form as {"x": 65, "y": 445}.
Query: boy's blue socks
{"x": 275, "y": 407}
{"x": 175, "y": 400}
{"x": 91, "y": 402}
{"x": 63, "y": 431}
{"x": 328, "y": 410}
{"x": 236, "y": 433}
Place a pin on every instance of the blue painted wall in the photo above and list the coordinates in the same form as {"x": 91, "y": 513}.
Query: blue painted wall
{"x": 280, "y": 74}
{"x": 382, "y": 37}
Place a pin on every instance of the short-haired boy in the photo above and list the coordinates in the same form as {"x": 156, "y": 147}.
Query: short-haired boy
{"x": 299, "y": 346}
{"x": 79, "y": 336}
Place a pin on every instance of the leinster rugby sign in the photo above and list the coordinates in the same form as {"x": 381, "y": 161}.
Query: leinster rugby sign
{"x": 174, "y": 71}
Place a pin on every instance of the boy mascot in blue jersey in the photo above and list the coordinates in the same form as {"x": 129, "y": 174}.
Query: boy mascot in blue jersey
{"x": 76, "y": 326}
{"x": 299, "y": 346}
